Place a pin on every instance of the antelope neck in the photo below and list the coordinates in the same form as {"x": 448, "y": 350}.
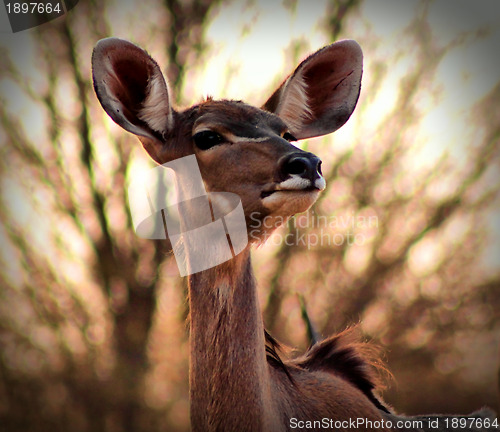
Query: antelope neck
{"x": 229, "y": 376}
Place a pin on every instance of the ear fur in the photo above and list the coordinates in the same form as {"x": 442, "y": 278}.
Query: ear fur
{"x": 321, "y": 94}
{"x": 132, "y": 90}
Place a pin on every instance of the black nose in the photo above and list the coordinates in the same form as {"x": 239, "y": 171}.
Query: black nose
{"x": 305, "y": 165}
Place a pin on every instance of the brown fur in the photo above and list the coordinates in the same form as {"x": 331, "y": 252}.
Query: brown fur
{"x": 356, "y": 362}
{"x": 250, "y": 386}
{"x": 237, "y": 382}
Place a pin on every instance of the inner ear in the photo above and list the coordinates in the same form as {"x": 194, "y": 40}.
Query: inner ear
{"x": 128, "y": 82}
{"x": 321, "y": 94}
{"x": 331, "y": 84}
{"x": 131, "y": 88}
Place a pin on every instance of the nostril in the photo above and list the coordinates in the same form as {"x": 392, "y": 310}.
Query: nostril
{"x": 304, "y": 165}
{"x": 296, "y": 166}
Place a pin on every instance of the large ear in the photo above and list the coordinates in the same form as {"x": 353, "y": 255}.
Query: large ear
{"x": 131, "y": 88}
{"x": 320, "y": 96}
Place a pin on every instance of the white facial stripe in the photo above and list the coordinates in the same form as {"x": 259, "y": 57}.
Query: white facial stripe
{"x": 238, "y": 139}
{"x": 294, "y": 183}
{"x": 230, "y": 136}
{"x": 297, "y": 183}
{"x": 199, "y": 129}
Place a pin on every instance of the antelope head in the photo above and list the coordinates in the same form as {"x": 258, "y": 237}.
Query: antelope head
{"x": 239, "y": 148}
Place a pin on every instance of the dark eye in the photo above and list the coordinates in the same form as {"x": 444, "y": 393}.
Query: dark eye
{"x": 289, "y": 137}
{"x": 207, "y": 139}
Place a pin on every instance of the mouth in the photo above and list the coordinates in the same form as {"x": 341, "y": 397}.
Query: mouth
{"x": 295, "y": 185}
{"x": 267, "y": 193}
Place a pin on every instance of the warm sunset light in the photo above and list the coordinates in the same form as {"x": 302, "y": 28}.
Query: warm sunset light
{"x": 404, "y": 240}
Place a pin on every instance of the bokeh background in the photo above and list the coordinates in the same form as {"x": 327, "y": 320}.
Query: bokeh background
{"x": 405, "y": 240}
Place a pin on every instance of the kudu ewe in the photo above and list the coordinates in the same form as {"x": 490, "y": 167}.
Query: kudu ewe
{"x": 237, "y": 380}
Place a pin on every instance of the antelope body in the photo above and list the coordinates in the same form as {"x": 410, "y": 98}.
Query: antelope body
{"x": 237, "y": 381}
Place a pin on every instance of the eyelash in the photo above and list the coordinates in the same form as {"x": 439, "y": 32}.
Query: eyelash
{"x": 289, "y": 137}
